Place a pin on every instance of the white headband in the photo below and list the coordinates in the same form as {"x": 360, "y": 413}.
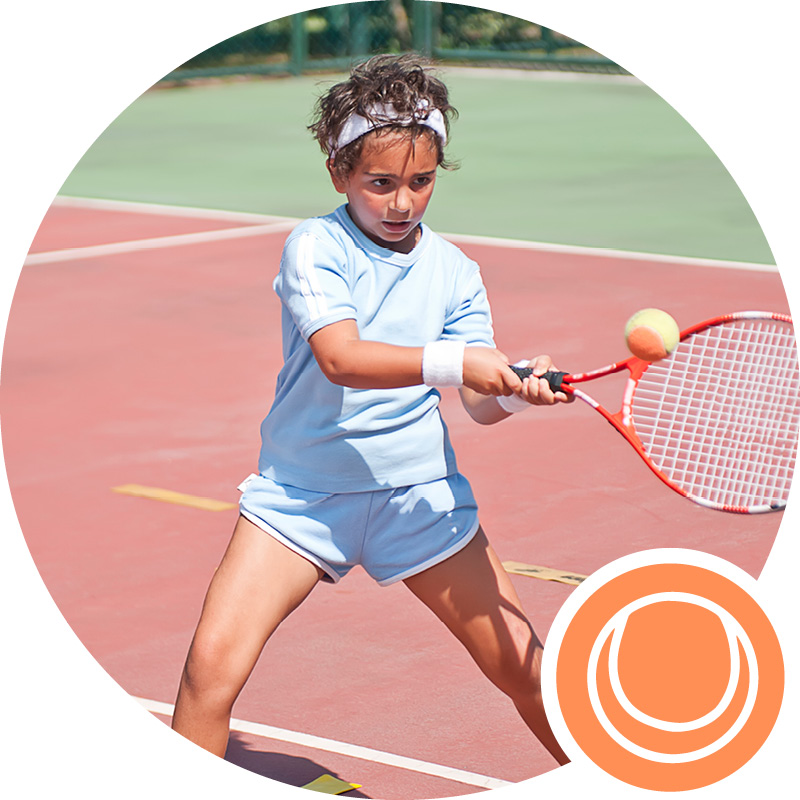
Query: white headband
{"x": 384, "y": 114}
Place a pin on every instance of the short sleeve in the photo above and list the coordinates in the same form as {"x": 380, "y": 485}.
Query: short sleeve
{"x": 313, "y": 283}
{"x": 470, "y": 319}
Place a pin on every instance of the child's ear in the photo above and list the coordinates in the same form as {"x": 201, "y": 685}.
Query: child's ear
{"x": 338, "y": 182}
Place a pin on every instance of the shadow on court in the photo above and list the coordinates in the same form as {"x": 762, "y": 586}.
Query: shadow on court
{"x": 292, "y": 770}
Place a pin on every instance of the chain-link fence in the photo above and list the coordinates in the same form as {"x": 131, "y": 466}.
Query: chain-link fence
{"x": 331, "y": 38}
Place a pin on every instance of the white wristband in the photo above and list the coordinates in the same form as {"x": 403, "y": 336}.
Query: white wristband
{"x": 443, "y": 363}
{"x": 512, "y": 403}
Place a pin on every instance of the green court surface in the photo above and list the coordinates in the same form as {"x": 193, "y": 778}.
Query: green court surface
{"x": 591, "y": 161}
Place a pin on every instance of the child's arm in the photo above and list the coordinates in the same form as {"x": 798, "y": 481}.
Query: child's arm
{"x": 348, "y": 360}
{"x": 487, "y": 411}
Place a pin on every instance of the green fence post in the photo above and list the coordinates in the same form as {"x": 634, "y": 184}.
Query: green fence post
{"x": 550, "y": 45}
{"x": 337, "y": 16}
{"x": 359, "y": 29}
{"x": 422, "y": 21}
{"x": 299, "y": 52}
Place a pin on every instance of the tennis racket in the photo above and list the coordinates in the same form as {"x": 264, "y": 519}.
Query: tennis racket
{"x": 718, "y": 419}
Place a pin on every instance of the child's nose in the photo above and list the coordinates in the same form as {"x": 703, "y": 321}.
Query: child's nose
{"x": 402, "y": 200}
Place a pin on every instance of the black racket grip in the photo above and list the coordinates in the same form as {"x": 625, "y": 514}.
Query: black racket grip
{"x": 555, "y": 379}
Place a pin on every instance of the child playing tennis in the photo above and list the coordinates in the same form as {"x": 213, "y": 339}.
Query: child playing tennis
{"x": 356, "y": 467}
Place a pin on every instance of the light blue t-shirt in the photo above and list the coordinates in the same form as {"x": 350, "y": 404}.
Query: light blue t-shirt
{"x": 330, "y": 438}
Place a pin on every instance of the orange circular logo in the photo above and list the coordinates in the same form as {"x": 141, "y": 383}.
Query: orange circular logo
{"x": 668, "y": 676}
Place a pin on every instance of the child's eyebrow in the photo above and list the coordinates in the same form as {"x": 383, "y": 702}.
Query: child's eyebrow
{"x": 392, "y": 175}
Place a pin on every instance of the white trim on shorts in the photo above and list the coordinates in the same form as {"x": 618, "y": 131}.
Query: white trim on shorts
{"x": 437, "y": 559}
{"x": 329, "y": 571}
{"x": 353, "y": 552}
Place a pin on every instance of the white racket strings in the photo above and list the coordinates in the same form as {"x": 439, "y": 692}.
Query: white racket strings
{"x": 720, "y": 417}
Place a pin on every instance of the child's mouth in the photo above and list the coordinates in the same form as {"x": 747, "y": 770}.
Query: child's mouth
{"x": 397, "y": 227}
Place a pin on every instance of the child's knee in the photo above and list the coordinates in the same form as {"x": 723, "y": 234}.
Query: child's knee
{"x": 210, "y": 672}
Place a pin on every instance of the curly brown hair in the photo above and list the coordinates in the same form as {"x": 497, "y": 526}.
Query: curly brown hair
{"x": 404, "y": 81}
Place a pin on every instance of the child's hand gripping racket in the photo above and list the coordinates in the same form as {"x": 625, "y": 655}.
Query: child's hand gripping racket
{"x": 718, "y": 419}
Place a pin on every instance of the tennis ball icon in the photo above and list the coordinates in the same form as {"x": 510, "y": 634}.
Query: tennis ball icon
{"x": 618, "y": 692}
{"x": 651, "y": 334}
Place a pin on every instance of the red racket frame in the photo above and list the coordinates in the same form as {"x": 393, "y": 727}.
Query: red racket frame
{"x": 622, "y": 419}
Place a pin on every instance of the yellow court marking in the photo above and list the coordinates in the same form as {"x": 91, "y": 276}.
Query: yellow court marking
{"x": 544, "y": 573}
{"x": 168, "y": 496}
{"x": 327, "y": 784}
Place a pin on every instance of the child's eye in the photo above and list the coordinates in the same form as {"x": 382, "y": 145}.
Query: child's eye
{"x": 423, "y": 180}
{"x": 380, "y": 182}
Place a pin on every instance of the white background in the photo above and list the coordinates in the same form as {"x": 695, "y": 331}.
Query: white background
{"x": 69, "y": 68}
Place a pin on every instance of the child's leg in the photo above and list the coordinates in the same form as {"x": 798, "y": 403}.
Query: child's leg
{"x": 258, "y": 584}
{"x": 473, "y": 596}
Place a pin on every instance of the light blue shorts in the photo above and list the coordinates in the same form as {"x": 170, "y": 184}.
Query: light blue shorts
{"x": 392, "y": 533}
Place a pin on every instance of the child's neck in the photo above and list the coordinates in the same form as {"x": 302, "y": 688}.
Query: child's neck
{"x": 407, "y": 245}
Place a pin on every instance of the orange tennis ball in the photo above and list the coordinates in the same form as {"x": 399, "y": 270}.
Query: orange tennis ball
{"x": 651, "y": 334}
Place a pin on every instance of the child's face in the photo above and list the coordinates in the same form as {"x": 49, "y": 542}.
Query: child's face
{"x": 390, "y": 187}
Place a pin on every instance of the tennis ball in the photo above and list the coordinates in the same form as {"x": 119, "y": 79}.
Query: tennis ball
{"x": 651, "y": 334}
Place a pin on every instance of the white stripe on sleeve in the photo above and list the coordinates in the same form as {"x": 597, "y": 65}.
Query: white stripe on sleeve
{"x": 309, "y": 280}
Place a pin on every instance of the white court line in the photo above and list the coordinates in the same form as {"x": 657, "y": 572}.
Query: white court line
{"x": 518, "y": 244}
{"x": 160, "y": 209}
{"x": 179, "y": 240}
{"x": 603, "y": 252}
{"x": 345, "y": 749}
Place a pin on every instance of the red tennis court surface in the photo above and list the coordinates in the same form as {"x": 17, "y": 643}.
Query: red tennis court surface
{"x": 154, "y": 364}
